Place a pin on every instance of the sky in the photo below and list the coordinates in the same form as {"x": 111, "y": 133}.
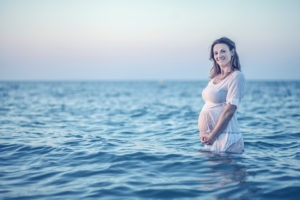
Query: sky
{"x": 145, "y": 39}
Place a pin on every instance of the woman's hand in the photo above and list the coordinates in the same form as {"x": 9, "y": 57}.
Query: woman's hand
{"x": 207, "y": 139}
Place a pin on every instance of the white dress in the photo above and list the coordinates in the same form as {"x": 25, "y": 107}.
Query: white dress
{"x": 216, "y": 96}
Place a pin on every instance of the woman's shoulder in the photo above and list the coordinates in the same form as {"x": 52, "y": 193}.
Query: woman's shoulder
{"x": 238, "y": 74}
{"x": 237, "y": 77}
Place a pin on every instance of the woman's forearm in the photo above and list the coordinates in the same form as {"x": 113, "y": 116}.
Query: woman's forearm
{"x": 223, "y": 120}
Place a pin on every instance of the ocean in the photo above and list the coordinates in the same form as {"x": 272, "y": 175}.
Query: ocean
{"x": 139, "y": 140}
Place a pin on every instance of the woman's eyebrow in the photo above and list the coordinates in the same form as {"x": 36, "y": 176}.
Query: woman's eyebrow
{"x": 220, "y": 50}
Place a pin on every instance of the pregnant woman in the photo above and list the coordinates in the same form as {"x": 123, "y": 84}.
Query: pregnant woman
{"x": 219, "y": 129}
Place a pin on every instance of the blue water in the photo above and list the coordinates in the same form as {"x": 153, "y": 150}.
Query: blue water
{"x": 139, "y": 140}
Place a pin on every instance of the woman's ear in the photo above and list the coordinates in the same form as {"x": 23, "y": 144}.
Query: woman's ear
{"x": 232, "y": 52}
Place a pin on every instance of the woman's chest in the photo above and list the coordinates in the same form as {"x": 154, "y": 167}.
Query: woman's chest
{"x": 214, "y": 94}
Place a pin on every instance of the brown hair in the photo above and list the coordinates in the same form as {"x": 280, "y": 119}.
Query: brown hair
{"x": 235, "y": 62}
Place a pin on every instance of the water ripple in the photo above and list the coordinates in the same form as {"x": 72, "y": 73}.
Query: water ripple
{"x": 139, "y": 140}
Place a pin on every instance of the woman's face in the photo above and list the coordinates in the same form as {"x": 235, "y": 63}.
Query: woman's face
{"x": 222, "y": 55}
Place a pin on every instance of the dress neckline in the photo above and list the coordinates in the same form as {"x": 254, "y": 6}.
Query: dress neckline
{"x": 222, "y": 79}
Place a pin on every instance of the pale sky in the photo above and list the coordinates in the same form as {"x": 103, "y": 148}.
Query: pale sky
{"x": 145, "y": 39}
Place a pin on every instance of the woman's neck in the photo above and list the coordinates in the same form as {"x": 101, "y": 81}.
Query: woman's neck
{"x": 226, "y": 70}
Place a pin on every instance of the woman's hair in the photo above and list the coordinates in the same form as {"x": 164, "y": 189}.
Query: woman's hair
{"x": 235, "y": 62}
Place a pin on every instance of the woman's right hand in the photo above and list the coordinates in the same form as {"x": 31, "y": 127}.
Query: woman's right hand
{"x": 203, "y": 137}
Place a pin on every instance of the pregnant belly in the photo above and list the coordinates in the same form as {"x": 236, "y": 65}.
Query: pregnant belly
{"x": 208, "y": 119}
{"x": 205, "y": 123}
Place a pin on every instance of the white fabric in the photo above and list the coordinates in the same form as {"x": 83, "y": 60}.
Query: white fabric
{"x": 216, "y": 96}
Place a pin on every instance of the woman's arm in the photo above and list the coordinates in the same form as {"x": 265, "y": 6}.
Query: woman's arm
{"x": 222, "y": 123}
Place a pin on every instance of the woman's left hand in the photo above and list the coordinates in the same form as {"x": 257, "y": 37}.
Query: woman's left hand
{"x": 207, "y": 139}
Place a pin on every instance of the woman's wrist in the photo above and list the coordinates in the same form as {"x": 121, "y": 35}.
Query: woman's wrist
{"x": 212, "y": 135}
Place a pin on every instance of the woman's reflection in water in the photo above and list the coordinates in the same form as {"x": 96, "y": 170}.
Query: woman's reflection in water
{"x": 226, "y": 176}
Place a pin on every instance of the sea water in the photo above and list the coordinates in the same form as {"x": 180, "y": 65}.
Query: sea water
{"x": 139, "y": 140}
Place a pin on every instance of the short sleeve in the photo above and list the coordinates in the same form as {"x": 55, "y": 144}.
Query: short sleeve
{"x": 236, "y": 89}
